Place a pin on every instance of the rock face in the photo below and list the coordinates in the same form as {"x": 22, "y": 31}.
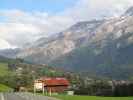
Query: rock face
{"x": 101, "y": 47}
{"x": 129, "y": 12}
{"x": 96, "y": 32}
{"x": 108, "y": 53}
{"x": 47, "y": 49}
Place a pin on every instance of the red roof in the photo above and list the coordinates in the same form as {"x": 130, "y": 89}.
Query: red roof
{"x": 55, "y": 81}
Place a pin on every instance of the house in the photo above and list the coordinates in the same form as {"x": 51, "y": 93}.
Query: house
{"x": 51, "y": 85}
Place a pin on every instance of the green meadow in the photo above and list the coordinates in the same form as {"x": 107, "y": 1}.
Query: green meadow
{"x": 4, "y": 69}
{"x": 4, "y": 88}
{"x": 3, "y": 72}
{"x": 65, "y": 97}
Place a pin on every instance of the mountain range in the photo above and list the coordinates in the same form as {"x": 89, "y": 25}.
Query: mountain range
{"x": 97, "y": 48}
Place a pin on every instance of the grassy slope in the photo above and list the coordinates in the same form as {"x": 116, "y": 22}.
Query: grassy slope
{"x": 4, "y": 88}
{"x": 62, "y": 97}
{"x": 4, "y": 69}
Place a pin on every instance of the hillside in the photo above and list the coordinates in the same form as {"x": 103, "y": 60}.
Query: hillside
{"x": 5, "y": 59}
{"x": 107, "y": 54}
{"x": 4, "y": 88}
{"x": 16, "y": 72}
{"x": 45, "y": 50}
{"x": 4, "y": 69}
{"x": 112, "y": 62}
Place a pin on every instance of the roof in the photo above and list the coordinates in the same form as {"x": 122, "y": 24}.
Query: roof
{"x": 55, "y": 81}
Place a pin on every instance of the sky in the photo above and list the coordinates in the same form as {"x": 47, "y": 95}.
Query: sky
{"x": 24, "y": 21}
{"x": 50, "y": 6}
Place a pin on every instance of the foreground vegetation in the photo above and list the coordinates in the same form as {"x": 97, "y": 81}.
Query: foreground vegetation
{"x": 4, "y": 88}
{"x": 65, "y": 97}
{"x": 4, "y": 69}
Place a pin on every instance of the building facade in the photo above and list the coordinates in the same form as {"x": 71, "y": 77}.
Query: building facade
{"x": 51, "y": 85}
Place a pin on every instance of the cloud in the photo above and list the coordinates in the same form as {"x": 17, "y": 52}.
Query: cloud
{"x": 4, "y": 44}
{"x": 19, "y": 27}
{"x": 91, "y": 9}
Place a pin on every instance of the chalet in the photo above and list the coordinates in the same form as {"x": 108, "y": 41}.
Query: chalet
{"x": 51, "y": 85}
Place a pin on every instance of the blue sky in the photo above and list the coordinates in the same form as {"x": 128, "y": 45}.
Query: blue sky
{"x": 51, "y": 6}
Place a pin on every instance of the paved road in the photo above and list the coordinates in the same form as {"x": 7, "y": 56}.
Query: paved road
{"x": 23, "y": 96}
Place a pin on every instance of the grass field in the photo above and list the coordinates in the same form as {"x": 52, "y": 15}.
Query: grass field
{"x": 4, "y": 88}
{"x": 4, "y": 69}
{"x": 63, "y": 97}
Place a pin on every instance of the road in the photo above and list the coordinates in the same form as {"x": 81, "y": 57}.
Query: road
{"x": 23, "y": 96}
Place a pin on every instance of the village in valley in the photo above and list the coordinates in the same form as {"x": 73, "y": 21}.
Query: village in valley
{"x": 53, "y": 81}
{"x": 55, "y": 86}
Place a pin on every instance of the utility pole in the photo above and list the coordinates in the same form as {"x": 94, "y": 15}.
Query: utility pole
{"x": 33, "y": 77}
{"x": 34, "y": 88}
{"x": 43, "y": 89}
{"x": 50, "y": 92}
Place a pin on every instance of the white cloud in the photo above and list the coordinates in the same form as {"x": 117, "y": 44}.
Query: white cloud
{"x": 90, "y": 9}
{"x": 4, "y": 44}
{"x": 20, "y": 27}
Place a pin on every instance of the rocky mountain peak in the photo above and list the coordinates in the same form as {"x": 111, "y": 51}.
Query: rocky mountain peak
{"x": 129, "y": 12}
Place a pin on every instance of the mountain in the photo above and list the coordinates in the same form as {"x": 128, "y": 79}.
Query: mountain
{"x": 47, "y": 49}
{"x": 5, "y": 59}
{"x": 110, "y": 61}
{"x": 129, "y": 12}
{"x": 96, "y": 32}
{"x": 9, "y": 53}
{"x": 107, "y": 54}
{"x": 98, "y": 47}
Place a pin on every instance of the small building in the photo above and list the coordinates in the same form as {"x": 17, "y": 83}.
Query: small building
{"x": 51, "y": 85}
